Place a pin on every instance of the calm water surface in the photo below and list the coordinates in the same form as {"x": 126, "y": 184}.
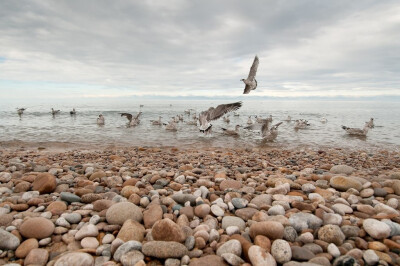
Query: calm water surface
{"x": 38, "y": 125}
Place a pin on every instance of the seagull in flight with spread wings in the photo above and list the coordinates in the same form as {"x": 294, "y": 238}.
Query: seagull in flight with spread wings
{"x": 214, "y": 113}
{"x": 251, "y": 82}
{"x": 133, "y": 121}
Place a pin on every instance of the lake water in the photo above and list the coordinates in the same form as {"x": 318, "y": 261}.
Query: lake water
{"x": 38, "y": 125}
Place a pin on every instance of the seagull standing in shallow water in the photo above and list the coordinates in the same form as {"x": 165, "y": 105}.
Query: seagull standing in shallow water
{"x": 100, "y": 120}
{"x": 212, "y": 113}
{"x": 232, "y": 132}
{"x": 356, "y": 131}
{"x": 371, "y": 123}
{"x": 20, "y": 111}
{"x": 251, "y": 82}
{"x": 133, "y": 121}
{"x": 269, "y": 134}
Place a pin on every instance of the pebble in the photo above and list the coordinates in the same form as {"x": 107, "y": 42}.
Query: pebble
{"x": 376, "y": 229}
{"x": 120, "y": 212}
{"x": 259, "y": 257}
{"x": 75, "y": 258}
{"x": 233, "y": 221}
{"x": 37, "y": 227}
{"x": 281, "y": 251}
{"x": 125, "y": 248}
{"x": 8, "y": 240}
{"x": 164, "y": 249}
{"x": 231, "y": 246}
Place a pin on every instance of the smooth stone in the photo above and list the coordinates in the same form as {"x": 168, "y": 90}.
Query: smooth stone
{"x": 208, "y": 260}
{"x": 75, "y": 258}
{"x": 25, "y": 247}
{"x": 333, "y": 250}
{"x": 342, "y": 169}
{"x": 394, "y": 227}
{"x": 167, "y": 230}
{"x": 281, "y": 251}
{"x": 72, "y": 218}
{"x": 258, "y": 257}
{"x": 233, "y": 221}
{"x": 262, "y": 200}
{"x": 87, "y": 230}
{"x": 276, "y": 210}
{"x": 202, "y": 210}
{"x": 230, "y": 184}
{"x": 301, "y": 253}
{"x": 8, "y": 240}
{"x": 232, "y": 246}
{"x": 239, "y": 203}
{"x": 131, "y": 258}
{"x": 332, "y": 234}
{"x": 131, "y": 230}
{"x": 344, "y": 183}
{"x": 119, "y": 212}
{"x": 37, "y": 227}
{"x": 272, "y": 230}
{"x": 125, "y": 248}
{"x": 301, "y": 221}
{"x": 232, "y": 259}
{"x": 182, "y": 198}
{"x": 217, "y": 211}
{"x": 164, "y": 249}
{"x": 44, "y": 183}
{"x": 370, "y": 257}
{"x": 69, "y": 197}
{"x": 89, "y": 242}
{"x": 37, "y": 256}
{"x": 376, "y": 229}
{"x": 153, "y": 214}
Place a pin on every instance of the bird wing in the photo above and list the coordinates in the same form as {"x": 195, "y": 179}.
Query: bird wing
{"x": 253, "y": 69}
{"x": 264, "y": 128}
{"x": 277, "y": 125}
{"x": 215, "y": 113}
{"x": 128, "y": 116}
{"x": 247, "y": 89}
{"x": 137, "y": 116}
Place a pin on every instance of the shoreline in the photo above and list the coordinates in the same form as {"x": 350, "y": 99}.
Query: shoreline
{"x": 241, "y": 206}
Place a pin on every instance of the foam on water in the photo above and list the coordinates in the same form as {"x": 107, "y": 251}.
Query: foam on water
{"x": 38, "y": 125}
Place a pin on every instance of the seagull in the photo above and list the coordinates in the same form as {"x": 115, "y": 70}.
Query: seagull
{"x": 261, "y": 120}
{"x": 232, "y": 132}
{"x": 54, "y": 112}
{"x": 251, "y": 82}
{"x": 133, "y": 121}
{"x": 288, "y": 119}
{"x": 192, "y": 123}
{"x": 156, "y": 122}
{"x": 100, "y": 120}
{"x": 171, "y": 126}
{"x": 301, "y": 124}
{"x": 236, "y": 114}
{"x": 371, "y": 123}
{"x": 194, "y": 116}
{"x": 73, "y": 112}
{"x": 250, "y": 121}
{"x": 20, "y": 111}
{"x": 324, "y": 120}
{"x": 270, "y": 134}
{"x": 357, "y": 131}
{"x": 214, "y": 113}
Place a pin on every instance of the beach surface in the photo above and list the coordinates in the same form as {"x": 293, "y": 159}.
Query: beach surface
{"x": 188, "y": 206}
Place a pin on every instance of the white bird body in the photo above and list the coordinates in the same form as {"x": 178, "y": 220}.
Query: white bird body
{"x": 171, "y": 126}
{"x": 288, "y": 119}
{"x": 157, "y": 122}
{"x": 232, "y": 132}
{"x": 100, "y": 120}
{"x": 236, "y": 114}
{"x": 324, "y": 120}
{"x": 301, "y": 124}
{"x": 357, "y": 131}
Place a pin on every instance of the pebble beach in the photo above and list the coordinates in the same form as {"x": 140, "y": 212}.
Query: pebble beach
{"x": 186, "y": 206}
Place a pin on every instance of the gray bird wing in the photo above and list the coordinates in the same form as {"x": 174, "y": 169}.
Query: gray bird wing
{"x": 247, "y": 89}
{"x": 253, "y": 69}
{"x": 277, "y": 125}
{"x": 137, "y": 116}
{"x": 128, "y": 116}
{"x": 264, "y": 128}
{"x": 215, "y": 113}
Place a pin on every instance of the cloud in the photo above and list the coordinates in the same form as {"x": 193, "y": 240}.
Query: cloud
{"x": 306, "y": 48}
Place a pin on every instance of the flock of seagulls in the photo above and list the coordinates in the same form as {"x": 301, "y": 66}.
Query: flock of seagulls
{"x": 205, "y": 118}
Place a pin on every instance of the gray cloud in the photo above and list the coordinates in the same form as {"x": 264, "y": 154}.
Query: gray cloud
{"x": 203, "y": 47}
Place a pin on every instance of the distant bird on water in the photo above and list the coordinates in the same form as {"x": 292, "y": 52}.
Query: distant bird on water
{"x": 371, "y": 123}
{"x": 357, "y": 131}
{"x": 288, "y": 119}
{"x": 73, "y": 112}
{"x": 100, "y": 120}
{"x": 251, "y": 82}
{"x": 20, "y": 111}
{"x": 171, "y": 126}
{"x": 54, "y": 112}
{"x": 301, "y": 124}
{"x": 212, "y": 113}
{"x": 323, "y": 120}
{"x": 156, "y": 122}
{"x": 133, "y": 121}
{"x": 232, "y": 132}
{"x": 270, "y": 134}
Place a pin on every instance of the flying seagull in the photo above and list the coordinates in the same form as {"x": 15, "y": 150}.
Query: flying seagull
{"x": 251, "y": 82}
{"x": 357, "y": 131}
{"x": 214, "y": 113}
{"x": 269, "y": 134}
{"x": 133, "y": 121}
{"x": 54, "y": 112}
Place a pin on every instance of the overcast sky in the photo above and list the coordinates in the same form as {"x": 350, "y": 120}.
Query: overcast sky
{"x": 118, "y": 48}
